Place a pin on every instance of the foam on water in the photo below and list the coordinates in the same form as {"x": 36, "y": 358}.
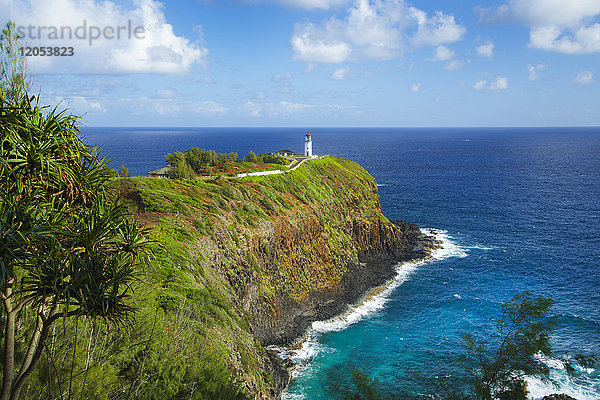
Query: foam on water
{"x": 377, "y": 300}
{"x": 578, "y": 387}
{"x": 449, "y": 247}
{"x": 478, "y": 247}
{"x": 372, "y": 303}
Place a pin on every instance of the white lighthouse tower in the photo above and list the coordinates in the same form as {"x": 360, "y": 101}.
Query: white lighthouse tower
{"x": 308, "y": 145}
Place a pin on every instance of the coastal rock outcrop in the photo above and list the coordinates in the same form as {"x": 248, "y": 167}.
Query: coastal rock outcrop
{"x": 281, "y": 251}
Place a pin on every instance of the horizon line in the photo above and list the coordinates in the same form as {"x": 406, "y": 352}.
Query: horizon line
{"x": 344, "y": 127}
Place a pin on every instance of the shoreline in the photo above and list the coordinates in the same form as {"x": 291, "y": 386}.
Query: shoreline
{"x": 297, "y": 354}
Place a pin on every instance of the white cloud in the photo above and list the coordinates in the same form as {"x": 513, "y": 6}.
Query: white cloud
{"x": 81, "y": 104}
{"x": 253, "y": 109}
{"x": 282, "y": 77}
{"x": 442, "y": 53}
{"x": 165, "y": 93}
{"x": 534, "y": 71}
{"x": 541, "y": 12}
{"x": 581, "y": 40}
{"x": 415, "y": 87}
{"x": 372, "y": 30}
{"x": 205, "y": 107}
{"x": 486, "y": 50}
{"x": 564, "y": 26}
{"x": 441, "y": 28}
{"x": 256, "y": 95}
{"x": 284, "y": 108}
{"x": 480, "y": 85}
{"x": 108, "y": 45}
{"x": 151, "y": 105}
{"x": 584, "y": 78}
{"x": 498, "y": 84}
{"x": 341, "y": 73}
{"x": 453, "y": 65}
{"x": 309, "y": 47}
{"x": 309, "y": 4}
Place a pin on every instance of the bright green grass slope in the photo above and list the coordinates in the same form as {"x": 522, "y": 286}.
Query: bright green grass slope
{"x": 225, "y": 252}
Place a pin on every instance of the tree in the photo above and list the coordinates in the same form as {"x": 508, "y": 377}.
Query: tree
{"x": 178, "y": 167}
{"x": 123, "y": 172}
{"x": 251, "y": 157}
{"x": 365, "y": 387}
{"x": 68, "y": 248}
{"x": 13, "y": 78}
{"x": 523, "y": 332}
{"x": 194, "y": 157}
{"x": 270, "y": 158}
{"x": 231, "y": 157}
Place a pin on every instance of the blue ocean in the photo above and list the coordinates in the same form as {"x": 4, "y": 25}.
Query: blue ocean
{"x": 518, "y": 209}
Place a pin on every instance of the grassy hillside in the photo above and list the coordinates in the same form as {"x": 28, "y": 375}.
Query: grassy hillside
{"x": 238, "y": 264}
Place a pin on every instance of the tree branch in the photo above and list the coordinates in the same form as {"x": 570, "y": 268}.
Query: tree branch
{"x": 33, "y": 343}
{"x": 47, "y": 322}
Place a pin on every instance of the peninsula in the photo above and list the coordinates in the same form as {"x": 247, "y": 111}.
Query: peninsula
{"x": 242, "y": 264}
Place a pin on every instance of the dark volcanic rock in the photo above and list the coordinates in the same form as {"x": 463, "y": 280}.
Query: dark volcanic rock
{"x": 382, "y": 245}
{"x": 281, "y": 371}
{"x": 558, "y": 397}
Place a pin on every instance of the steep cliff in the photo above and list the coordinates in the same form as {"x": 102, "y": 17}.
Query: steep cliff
{"x": 283, "y": 250}
{"x": 240, "y": 264}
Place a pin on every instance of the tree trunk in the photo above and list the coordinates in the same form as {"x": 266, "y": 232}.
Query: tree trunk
{"x": 16, "y": 389}
{"x": 9, "y": 342}
{"x": 32, "y": 344}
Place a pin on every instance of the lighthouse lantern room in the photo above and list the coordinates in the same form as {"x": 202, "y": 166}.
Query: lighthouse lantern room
{"x": 308, "y": 152}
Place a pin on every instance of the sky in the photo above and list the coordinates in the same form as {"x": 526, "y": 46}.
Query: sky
{"x": 307, "y": 63}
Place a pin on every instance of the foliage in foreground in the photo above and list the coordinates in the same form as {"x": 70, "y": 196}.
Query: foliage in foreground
{"x": 498, "y": 369}
{"x": 523, "y": 335}
{"x": 363, "y": 387}
{"x": 68, "y": 248}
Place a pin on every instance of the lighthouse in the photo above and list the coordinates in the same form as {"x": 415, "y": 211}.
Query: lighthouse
{"x": 308, "y": 145}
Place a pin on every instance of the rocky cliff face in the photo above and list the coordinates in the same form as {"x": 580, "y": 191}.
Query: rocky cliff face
{"x": 284, "y": 251}
{"x": 318, "y": 281}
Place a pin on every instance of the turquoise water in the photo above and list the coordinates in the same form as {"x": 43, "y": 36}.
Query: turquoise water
{"x": 519, "y": 207}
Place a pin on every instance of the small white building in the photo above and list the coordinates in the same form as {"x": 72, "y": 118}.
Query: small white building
{"x": 308, "y": 151}
{"x": 285, "y": 153}
{"x": 160, "y": 173}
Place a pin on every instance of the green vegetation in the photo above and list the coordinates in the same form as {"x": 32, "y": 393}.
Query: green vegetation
{"x": 499, "y": 369}
{"x": 223, "y": 213}
{"x": 68, "y": 247}
{"x": 197, "y": 161}
{"x": 363, "y": 387}
{"x": 523, "y": 332}
{"x": 191, "y": 336}
{"x": 179, "y": 168}
{"x": 82, "y": 320}
{"x": 123, "y": 172}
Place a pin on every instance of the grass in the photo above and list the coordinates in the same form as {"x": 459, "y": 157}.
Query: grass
{"x": 214, "y": 240}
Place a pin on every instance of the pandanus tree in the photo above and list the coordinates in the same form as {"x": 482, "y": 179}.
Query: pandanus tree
{"x": 67, "y": 245}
